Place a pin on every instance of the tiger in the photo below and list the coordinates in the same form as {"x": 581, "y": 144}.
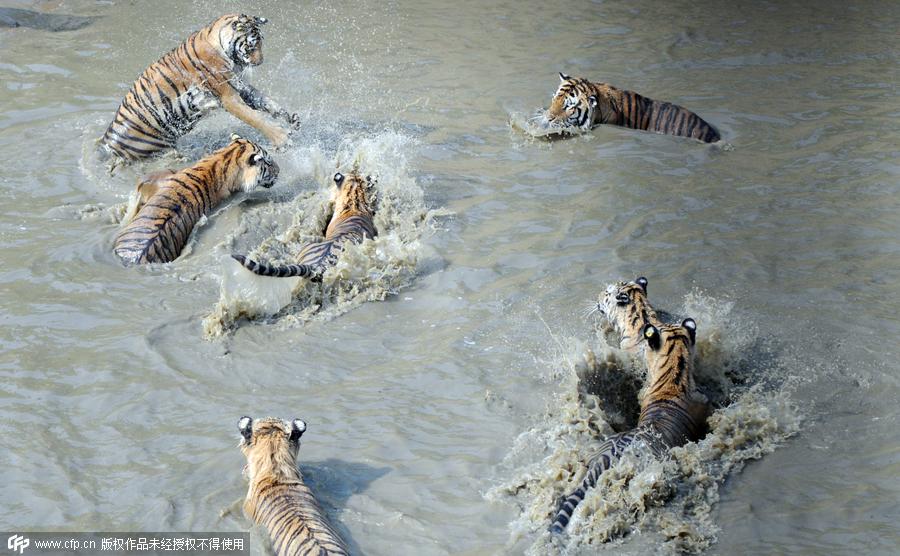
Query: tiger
{"x": 353, "y": 221}
{"x": 578, "y": 103}
{"x": 169, "y": 204}
{"x": 277, "y": 497}
{"x": 203, "y": 73}
{"x": 673, "y": 412}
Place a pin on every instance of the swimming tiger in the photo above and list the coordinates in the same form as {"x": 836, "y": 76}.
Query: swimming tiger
{"x": 673, "y": 412}
{"x": 169, "y": 204}
{"x": 201, "y": 74}
{"x": 277, "y": 497}
{"x": 352, "y": 221}
{"x": 582, "y": 104}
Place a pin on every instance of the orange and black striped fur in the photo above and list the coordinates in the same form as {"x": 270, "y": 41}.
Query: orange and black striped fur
{"x": 203, "y": 73}
{"x": 578, "y": 103}
{"x": 353, "y": 221}
{"x": 673, "y": 412}
{"x": 277, "y": 498}
{"x": 169, "y": 204}
{"x": 626, "y": 309}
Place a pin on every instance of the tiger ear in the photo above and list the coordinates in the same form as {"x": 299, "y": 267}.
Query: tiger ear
{"x": 592, "y": 100}
{"x": 298, "y": 427}
{"x": 642, "y": 282}
{"x": 564, "y": 77}
{"x": 651, "y": 334}
{"x": 235, "y": 137}
{"x": 255, "y": 159}
{"x": 691, "y": 328}
{"x": 245, "y": 426}
{"x": 260, "y": 20}
{"x": 338, "y": 179}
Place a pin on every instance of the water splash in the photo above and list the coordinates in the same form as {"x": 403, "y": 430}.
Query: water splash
{"x": 667, "y": 503}
{"x": 369, "y": 271}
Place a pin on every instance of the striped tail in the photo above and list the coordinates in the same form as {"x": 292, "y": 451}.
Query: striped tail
{"x": 608, "y": 453}
{"x": 640, "y": 112}
{"x": 286, "y": 271}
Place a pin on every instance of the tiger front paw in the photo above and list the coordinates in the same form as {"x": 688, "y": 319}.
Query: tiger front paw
{"x": 294, "y": 121}
{"x": 279, "y": 138}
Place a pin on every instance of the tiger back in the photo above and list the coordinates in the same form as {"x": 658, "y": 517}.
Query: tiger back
{"x": 201, "y": 74}
{"x": 169, "y": 204}
{"x": 352, "y": 221}
{"x": 277, "y": 497}
{"x": 579, "y": 103}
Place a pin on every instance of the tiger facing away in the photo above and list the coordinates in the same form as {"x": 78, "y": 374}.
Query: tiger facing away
{"x": 581, "y": 104}
{"x": 203, "y": 73}
{"x": 277, "y": 497}
{"x": 169, "y": 204}
{"x": 353, "y": 221}
{"x": 673, "y": 412}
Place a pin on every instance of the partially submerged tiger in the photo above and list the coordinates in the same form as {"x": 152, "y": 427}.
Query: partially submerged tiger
{"x": 203, "y": 73}
{"x": 352, "y": 221}
{"x": 169, "y": 204}
{"x": 673, "y": 412}
{"x": 581, "y": 104}
{"x": 277, "y": 497}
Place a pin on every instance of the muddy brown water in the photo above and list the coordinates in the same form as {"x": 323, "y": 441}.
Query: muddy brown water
{"x": 442, "y": 417}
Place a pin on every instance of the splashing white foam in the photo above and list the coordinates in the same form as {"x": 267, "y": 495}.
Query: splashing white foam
{"x": 368, "y": 271}
{"x": 668, "y": 502}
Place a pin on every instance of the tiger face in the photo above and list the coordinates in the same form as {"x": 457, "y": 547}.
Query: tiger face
{"x": 241, "y": 39}
{"x": 573, "y": 105}
{"x": 258, "y": 168}
{"x": 270, "y": 446}
{"x": 352, "y": 193}
{"x": 626, "y": 309}
{"x": 670, "y": 357}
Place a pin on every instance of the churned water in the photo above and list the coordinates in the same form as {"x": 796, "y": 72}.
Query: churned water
{"x": 453, "y": 387}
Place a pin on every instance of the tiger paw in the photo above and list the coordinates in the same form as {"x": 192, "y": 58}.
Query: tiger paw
{"x": 279, "y": 138}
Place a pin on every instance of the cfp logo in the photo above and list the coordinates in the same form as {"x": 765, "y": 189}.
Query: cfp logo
{"x": 17, "y": 543}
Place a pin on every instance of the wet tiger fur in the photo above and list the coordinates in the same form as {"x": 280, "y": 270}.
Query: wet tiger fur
{"x": 203, "y": 73}
{"x": 673, "y": 412}
{"x": 169, "y": 204}
{"x": 277, "y": 497}
{"x": 626, "y": 309}
{"x": 352, "y": 221}
{"x": 581, "y": 104}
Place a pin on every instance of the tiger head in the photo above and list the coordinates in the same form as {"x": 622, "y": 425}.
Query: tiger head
{"x": 670, "y": 358}
{"x": 573, "y": 105}
{"x": 240, "y": 38}
{"x": 270, "y": 446}
{"x": 257, "y": 167}
{"x": 353, "y": 194}
{"x": 625, "y": 306}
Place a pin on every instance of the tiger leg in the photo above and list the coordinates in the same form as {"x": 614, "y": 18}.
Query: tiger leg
{"x": 608, "y": 453}
{"x": 232, "y": 101}
{"x": 258, "y": 101}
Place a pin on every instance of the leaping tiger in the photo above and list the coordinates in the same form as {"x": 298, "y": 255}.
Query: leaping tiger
{"x": 203, "y": 73}
{"x": 277, "y": 497}
{"x": 353, "y": 221}
{"x": 169, "y": 204}
{"x": 578, "y": 103}
{"x": 673, "y": 412}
